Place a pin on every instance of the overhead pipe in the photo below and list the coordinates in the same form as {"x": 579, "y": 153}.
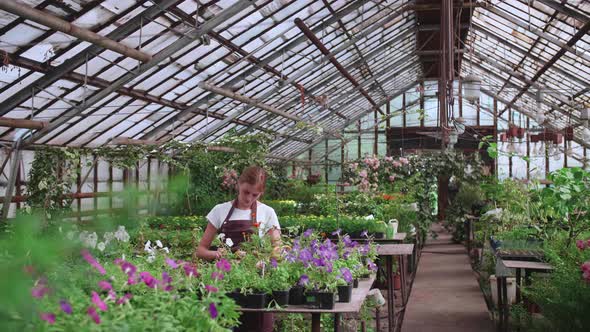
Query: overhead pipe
{"x": 68, "y": 28}
{"x": 253, "y": 102}
{"x": 318, "y": 43}
{"x": 22, "y": 123}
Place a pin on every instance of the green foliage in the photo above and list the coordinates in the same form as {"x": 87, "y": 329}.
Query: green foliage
{"x": 567, "y": 202}
{"x": 52, "y": 175}
{"x": 283, "y": 208}
{"x": 564, "y": 297}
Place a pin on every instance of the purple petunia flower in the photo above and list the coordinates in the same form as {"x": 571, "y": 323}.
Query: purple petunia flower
{"x": 166, "y": 281}
{"x": 213, "y": 310}
{"x": 273, "y": 263}
{"x": 303, "y": 280}
{"x": 364, "y": 234}
{"x": 337, "y": 232}
{"x": 93, "y": 314}
{"x": 98, "y": 302}
{"x": 371, "y": 265}
{"x": 346, "y": 274}
{"x": 105, "y": 285}
{"x": 171, "y": 263}
{"x": 224, "y": 265}
{"x": 364, "y": 250}
{"x": 190, "y": 270}
{"x": 305, "y": 256}
{"x": 211, "y": 289}
{"x": 48, "y": 317}
{"x": 65, "y": 306}
{"x": 125, "y": 298}
{"x": 308, "y": 232}
{"x": 88, "y": 257}
{"x": 148, "y": 279}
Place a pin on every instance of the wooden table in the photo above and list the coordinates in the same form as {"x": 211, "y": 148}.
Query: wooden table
{"x": 397, "y": 238}
{"x": 528, "y": 267}
{"x": 358, "y": 297}
{"x": 389, "y": 251}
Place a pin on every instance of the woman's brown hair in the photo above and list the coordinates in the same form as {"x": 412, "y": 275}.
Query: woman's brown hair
{"x": 254, "y": 175}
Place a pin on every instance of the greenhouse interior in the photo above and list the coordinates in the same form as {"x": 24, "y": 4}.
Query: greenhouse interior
{"x": 295, "y": 165}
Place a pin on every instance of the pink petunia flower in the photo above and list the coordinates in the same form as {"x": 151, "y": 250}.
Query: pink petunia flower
{"x": 93, "y": 314}
{"x": 104, "y": 285}
{"x": 128, "y": 268}
{"x": 48, "y": 317}
{"x": 224, "y": 265}
{"x": 131, "y": 281}
{"x": 88, "y": 257}
{"x": 581, "y": 244}
{"x": 190, "y": 270}
{"x": 125, "y": 298}
{"x": 39, "y": 290}
{"x": 98, "y": 302}
{"x": 171, "y": 263}
{"x": 211, "y": 289}
{"x": 148, "y": 279}
{"x": 217, "y": 275}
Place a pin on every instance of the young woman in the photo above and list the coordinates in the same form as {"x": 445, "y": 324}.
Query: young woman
{"x": 238, "y": 219}
{"x": 242, "y": 216}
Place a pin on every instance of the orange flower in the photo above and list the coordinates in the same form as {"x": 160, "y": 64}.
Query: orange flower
{"x": 256, "y": 224}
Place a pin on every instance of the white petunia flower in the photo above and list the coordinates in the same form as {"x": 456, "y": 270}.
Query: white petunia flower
{"x": 101, "y": 246}
{"x": 151, "y": 259}
{"x": 369, "y": 217}
{"x": 159, "y": 244}
{"x": 229, "y": 242}
{"x": 221, "y": 236}
{"x": 166, "y": 250}
{"x": 148, "y": 246}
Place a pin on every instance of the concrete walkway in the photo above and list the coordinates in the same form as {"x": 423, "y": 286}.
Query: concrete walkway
{"x": 445, "y": 295}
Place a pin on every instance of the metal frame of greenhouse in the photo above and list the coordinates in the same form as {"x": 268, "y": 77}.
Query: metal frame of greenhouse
{"x": 138, "y": 71}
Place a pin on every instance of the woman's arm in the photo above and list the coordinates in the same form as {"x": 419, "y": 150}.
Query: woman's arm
{"x": 275, "y": 240}
{"x": 203, "y": 248}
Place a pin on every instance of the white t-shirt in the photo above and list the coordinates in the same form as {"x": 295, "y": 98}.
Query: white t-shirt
{"x": 265, "y": 215}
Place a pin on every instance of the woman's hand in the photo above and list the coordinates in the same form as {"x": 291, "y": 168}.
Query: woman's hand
{"x": 220, "y": 253}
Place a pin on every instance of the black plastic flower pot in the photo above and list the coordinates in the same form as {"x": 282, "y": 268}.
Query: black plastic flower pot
{"x": 312, "y": 299}
{"x": 326, "y": 300}
{"x": 238, "y": 297}
{"x": 281, "y": 297}
{"x": 345, "y": 293}
{"x": 355, "y": 283}
{"x": 379, "y": 235}
{"x": 256, "y": 301}
{"x": 296, "y": 296}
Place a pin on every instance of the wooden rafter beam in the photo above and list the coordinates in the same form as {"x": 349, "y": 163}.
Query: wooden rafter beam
{"x": 68, "y": 28}
{"x": 318, "y": 43}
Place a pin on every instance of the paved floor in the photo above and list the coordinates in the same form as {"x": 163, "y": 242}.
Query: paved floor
{"x": 445, "y": 295}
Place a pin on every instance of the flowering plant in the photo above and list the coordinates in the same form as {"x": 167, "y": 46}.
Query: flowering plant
{"x": 373, "y": 172}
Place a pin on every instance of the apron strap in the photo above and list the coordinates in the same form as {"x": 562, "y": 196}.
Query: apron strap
{"x": 253, "y": 210}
